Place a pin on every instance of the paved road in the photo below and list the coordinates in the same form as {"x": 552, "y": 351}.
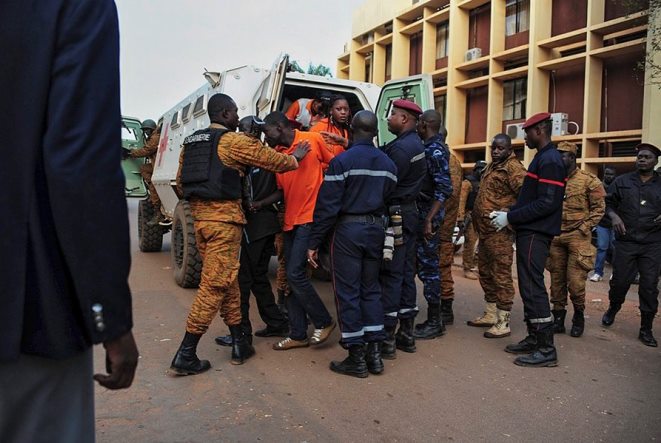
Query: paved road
{"x": 460, "y": 387}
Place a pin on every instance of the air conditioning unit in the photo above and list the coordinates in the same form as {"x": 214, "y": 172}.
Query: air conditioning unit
{"x": 515, "y": 131}
{"x": 560, "y": 123}
{"x": 473, "y": 54}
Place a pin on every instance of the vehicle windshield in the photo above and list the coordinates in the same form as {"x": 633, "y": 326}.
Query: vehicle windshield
{"x": 129, "y": 134}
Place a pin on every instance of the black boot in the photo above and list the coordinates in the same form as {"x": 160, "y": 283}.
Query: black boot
{"x": 609, "y": 315}
{"x": 545, "y": 355}
{"x": 404, "y": 339}
{"x": 223, "y": 340}
{"x": 185, "y": 361}
{"x": 559, "y": 320}
{"x": 373, "y": 358}
{"x": 388, "y": 348}
{"x": 446, "y": 312}
{"x": 433, "y": 326}
{"x": 577, "y": 323}
{"x": 242, "y": 350}
{"x": 645, "y": 335}
{"x": 525, "y": 346}
{"x": 353, "y": 365}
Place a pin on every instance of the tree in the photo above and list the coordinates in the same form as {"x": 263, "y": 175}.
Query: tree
{"x": 651, "y": 65}
{"x": 319, "y": 69}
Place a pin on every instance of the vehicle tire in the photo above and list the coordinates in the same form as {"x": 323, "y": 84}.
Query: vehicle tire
{"x": 150, "y": 238}
{"x": 186, "y": 260}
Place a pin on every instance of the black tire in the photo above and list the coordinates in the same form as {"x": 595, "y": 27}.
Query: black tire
{"x": 150, "y": 238}
{"x": 186, "y": 261}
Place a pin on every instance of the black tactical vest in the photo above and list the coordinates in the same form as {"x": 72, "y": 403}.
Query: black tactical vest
{"x": 203, "y": 175}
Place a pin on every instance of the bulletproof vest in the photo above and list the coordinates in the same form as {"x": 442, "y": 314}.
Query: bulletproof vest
{"x": 203, "y": 174}
{"x": 472, "y": 195}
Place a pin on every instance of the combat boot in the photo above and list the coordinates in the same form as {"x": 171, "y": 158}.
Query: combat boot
{"x": 373, "y": 358}
{"x": 645, "y": 334}
{"x": 545, "y": 355}
{"x": 559, "y": 320}
{"x": 577, "y": 323}
{"x": 242, "y": 350}
{"x": 609, "y": 315}
{"x": 487, "y": 319}
{"x": 502, "y": 327}
{"x": 354, "y": 365}
{"x": 433, "y": 326}
{"x": 185, "y": 361}
{"x": 525, "y": 346}
{"x": 404, "y": 339}
{"x": 388, "y": 347}
{"x": 447, "y": 315}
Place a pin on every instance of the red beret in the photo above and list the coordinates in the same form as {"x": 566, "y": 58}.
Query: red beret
{"x": 648, "y": 147}
{"x": 537, "y": 118}
{"x": 407, "y": 106}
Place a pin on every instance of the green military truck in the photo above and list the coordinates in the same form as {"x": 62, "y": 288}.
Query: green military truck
{"x": 132, "y": 139}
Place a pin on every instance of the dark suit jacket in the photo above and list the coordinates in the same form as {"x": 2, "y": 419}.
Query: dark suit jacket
{"x": 64, "y": 244}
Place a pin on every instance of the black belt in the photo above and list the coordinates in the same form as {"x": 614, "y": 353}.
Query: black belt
{"x": 408, "y": 206}
{"x": 369, "y": 219}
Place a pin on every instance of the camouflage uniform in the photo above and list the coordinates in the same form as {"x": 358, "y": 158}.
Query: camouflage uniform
{"x": 427, "y": 251}
{"x": 149, "y": 151}
{"x": 572, "y": 254}
{"x": 499, "y": 189}
{"x": 218, "y": 230}
{"x": 446, "y": 254}
{"x": 470, "y": 235}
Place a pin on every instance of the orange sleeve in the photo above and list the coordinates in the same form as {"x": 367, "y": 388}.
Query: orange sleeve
{"x": 293, "y": 110}
{"x": 325, "y": 153}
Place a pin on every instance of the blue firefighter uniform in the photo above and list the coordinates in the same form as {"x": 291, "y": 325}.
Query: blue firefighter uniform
{"x": 352, "y": 200}
{"x": 398, "y": 276}
{"x": 437, "y": 186}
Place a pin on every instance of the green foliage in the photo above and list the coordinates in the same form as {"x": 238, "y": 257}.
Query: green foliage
{"x": 319, "y": 69}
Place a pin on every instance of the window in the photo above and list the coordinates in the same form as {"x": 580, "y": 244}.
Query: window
{"x": 439, "y": 105}
{"x": 198, "y": 108}
{"x": 442, "y": 40}
{"x": 514, "y": 99}
{"x": 129, "y": 134}
{"x": 368, "y": 68}
{"x": 185, "y": 113}
{"x": 175, "y": 120}
{"x": 517, "y": 13}
{"x": 388, "y": 62}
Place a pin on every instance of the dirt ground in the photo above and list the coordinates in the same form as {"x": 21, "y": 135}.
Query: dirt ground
{"x": 459, "y": 387}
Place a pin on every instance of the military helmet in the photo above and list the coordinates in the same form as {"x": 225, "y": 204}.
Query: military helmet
{"x": 148, "y": 124}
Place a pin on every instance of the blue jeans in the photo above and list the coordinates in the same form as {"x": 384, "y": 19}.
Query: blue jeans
{"x": 304, "y": 300}
{"x": 605, "y": 241}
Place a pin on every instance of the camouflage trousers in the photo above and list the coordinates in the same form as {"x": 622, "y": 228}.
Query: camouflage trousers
{"x": 470, "y": 240}
{"x": 219, "y": 244}
{"x": 427, "y": 257}
{"x": 570, "y": 259}
{"x": 446, "y": 249}
{"x": 494, "y": 263}
{"x": 146, "y": 171}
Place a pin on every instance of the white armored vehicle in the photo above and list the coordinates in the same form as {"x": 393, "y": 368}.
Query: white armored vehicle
{"x": 256, "y": 91}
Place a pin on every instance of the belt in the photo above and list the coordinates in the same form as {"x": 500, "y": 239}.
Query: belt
{"x": 369, "y": 219}
{"x": 408, "y": 206}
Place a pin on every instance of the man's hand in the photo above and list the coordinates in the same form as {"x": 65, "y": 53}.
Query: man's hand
{"x": 618, "y": 224}
{"x": 429, "y": 230}
{"x": 334, "y": 139}
{"x": 126, "y": 153}
{"x": 121, "y": 361}
{"x": 499, "y": 220}
{"x": 313, "y": 256}
{"x": 301, "y": 150}
{"x": 256, "y": 206}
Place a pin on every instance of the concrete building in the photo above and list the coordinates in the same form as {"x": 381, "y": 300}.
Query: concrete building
{"x": 495, "y": 62}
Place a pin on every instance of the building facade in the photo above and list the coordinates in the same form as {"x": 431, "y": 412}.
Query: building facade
{"x": 495, "y": 62}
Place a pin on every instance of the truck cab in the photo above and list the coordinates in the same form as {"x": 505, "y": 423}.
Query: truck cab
{"x": 256, "y": 91}
{"x": 132, "y": 139}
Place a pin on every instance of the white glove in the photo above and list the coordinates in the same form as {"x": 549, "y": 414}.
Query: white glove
{"x": 499, "y": 220}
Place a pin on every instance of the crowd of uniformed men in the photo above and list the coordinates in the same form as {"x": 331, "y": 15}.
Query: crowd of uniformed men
{"x": 386, "y": 214}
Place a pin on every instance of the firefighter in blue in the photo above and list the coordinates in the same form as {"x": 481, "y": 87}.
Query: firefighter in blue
{"x": 436, "y": 188}
{"x": 398, "y": 275}
{"x": 536, "y": 218}
{"x": 352, "y": 201}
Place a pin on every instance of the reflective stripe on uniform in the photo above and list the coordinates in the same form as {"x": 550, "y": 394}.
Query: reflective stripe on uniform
{"x": 391, "y": 314}
{"x": 541, "y": 320}
{"x": 417, "y": 157}
{"x": 405, "y": 310}
{"x": 373, "y": 328}
{"x": 361, "y": 172}
{"x": 353, "y": 334}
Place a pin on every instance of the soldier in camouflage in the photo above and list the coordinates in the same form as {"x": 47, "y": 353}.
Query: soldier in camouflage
{"x": 501, "y": 181}
{"x": 151, "y": 134}
{"x": 436, "y": 189}
{"x": 572, "y": 255}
